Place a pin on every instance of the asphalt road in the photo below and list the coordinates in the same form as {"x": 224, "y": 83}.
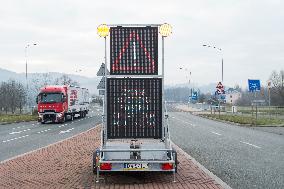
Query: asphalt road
{"x": 240, "y": 156}
{"x": 19, "y": 138}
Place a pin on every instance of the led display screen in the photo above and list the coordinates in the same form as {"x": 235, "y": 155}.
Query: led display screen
{"x": 133, "y": 50}
{"x": 134, "y": 108}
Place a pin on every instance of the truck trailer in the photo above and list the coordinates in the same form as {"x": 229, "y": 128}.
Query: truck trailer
{"x": 60, "y": 103}
{"x": 135, "y": 132}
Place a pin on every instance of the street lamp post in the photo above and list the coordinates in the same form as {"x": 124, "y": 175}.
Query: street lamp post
{"x": 189, "y": 75}
{"x": 26, "y": 57}
{"x": 220, "y": 50}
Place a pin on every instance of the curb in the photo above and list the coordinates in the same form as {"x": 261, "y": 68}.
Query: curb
{"x": 217, "y": 179}
{"x": 7, "y": 123}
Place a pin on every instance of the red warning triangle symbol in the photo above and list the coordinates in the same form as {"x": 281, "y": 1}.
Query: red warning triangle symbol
{"x": 133, "y": 35}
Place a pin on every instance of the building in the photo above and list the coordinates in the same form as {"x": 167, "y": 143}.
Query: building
{"x": 232, "y": 96}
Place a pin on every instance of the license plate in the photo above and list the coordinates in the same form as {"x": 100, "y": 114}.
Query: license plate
{"x": 135, "y": 166}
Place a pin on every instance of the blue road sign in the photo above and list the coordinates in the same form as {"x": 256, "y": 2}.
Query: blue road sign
{"x": 254, "y": 85}
{"x": 194, "y": 96}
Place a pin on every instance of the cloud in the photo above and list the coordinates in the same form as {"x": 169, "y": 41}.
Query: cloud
{"x": 249, "y": 32}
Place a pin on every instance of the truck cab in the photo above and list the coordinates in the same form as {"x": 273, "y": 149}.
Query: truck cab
{"x": 52, "y": 104}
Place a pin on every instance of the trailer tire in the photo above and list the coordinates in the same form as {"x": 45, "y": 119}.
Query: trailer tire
{"x": 176, "y": 161}
{"x": 63, "y": 119}
{"x": 94, "y": 163}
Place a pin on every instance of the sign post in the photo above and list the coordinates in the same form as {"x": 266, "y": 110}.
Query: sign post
{"x": 269, "y": 88}
{"x": 254, "y": 86}
{"x": 220, "y": 90}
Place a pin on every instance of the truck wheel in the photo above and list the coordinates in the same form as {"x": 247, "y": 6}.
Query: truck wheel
{"x": 42, "y": 122}
{"x": 63, "y": 119}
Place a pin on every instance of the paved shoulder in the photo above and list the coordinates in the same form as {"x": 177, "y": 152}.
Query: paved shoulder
{"x": 67, "y": 164}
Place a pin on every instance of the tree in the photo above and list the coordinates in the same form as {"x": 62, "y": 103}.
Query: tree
{"x": 12, "y": 96}
{"x": 202, "y": 98}
{"x": 277, "y": 89}
{"x": 65, "y": 80}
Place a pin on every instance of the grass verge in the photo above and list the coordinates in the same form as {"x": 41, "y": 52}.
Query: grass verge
{"x": 16, "y": 118}
{"x": 247, "y": 120}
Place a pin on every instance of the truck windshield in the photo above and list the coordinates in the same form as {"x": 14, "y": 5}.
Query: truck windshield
{"x": 50, "y": 97}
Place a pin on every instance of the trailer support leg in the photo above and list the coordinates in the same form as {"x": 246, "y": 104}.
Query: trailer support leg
{"x": 98, "y": 176}
{"x": 174, "y": 156}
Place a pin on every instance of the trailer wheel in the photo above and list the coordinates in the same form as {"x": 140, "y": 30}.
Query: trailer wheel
{"x": 94, "y": 163}
{"x": 176, "y": 161}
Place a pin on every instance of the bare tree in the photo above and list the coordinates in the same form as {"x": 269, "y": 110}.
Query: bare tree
{"x": 65, "y": 80}
{"x": 12, "y": 95}
{"x": 277, "y": 90}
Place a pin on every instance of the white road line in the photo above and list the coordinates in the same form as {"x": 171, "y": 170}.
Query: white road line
{"x": 250, "y": 144}
{"x": 18, "y": 132}
{"x": 216, "y": 133}
{"x": 15, "y": 132}
{"x": 67, "y": 131}
{"x": 44, "y": 131}
{"x": 15, "y": 138}
{"x": 187, "y": 123}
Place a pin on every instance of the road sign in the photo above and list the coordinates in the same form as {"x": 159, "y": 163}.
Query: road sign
{"x": 101, "y": 92}
{"x": 254, "y": 85}
{"x": 194, "y": 95}
{"x": 133, "y": 50}
{"x": 101, "y": 71}
{"x": 220, "y": 89}
{"x": 258, "y": 102}
{"x": 101, "y": 85}
{"x": 134, "y": 107}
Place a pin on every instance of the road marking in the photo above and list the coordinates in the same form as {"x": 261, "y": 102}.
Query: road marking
{"x": 67, "y": 131}
{"x": 15, "y": 138}
{"x": 18, "y": 132}
{"x": 187, "y": 123}
{"x": 15, "y": 132}
{"x": 43, "y": 131}
{"x": 216, "y": 133}
{"x": 250, "y": 144}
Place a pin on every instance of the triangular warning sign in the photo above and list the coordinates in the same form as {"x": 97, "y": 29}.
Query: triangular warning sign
{"x": 134, "y": 49}
{"x": 101, "y": 85}
{"x": 101, "y": 71}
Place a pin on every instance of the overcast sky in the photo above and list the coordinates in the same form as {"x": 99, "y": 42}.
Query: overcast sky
{"x": 250, "y": 33}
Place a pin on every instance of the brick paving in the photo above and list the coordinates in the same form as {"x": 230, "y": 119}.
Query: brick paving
{"x": 67, "y": 164}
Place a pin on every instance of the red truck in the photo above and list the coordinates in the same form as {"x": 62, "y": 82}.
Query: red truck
{"x": 61, "y": 103}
